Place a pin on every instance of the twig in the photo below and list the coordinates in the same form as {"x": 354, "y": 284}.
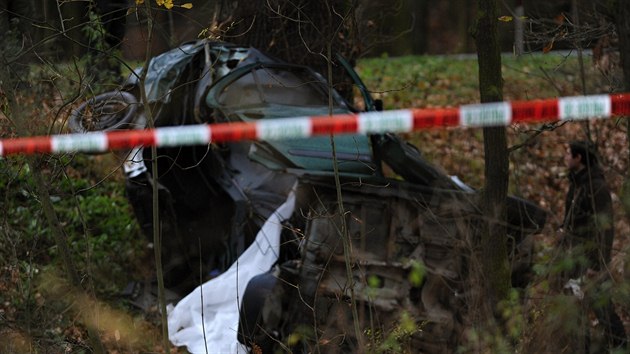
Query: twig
{"x": 157, "y": 241}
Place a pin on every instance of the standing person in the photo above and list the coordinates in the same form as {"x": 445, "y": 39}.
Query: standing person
{"x": 588, "y": 224}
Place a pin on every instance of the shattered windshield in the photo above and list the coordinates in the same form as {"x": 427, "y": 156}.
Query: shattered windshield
{"x": 268, "y": 87}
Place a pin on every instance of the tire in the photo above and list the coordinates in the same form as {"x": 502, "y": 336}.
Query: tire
{"x": 108, "y": 111}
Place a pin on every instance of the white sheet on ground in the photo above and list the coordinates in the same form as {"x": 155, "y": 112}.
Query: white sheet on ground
{"x": 222, "y": 295}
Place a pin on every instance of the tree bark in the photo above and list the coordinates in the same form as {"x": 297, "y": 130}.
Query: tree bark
{"x": 494, "y": 262}
{"x": 296, "y": 31}
{"x": 623, "y": 30}
{"x": 519, "y": 30}
{"x": 72, "y": 17}
{"x": 621, "y": 9}
{"x": 299, "y": 32}
{"x": 461, "y": 11}
{"x": 420, "y": 41}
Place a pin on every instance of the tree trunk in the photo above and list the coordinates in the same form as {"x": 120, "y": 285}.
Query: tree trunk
{"x": 623, "y": 30}
{"x": 72, "y": 18}
{"x": 299, "y": 32}
{"x": 461, "y": 9}
{"x": 419, "y": 36}
{"x": 622, "y": 20}
{"x": 519, "y": 12}
{"x": 296, "y": 31}
{"x": 494, "y": 263}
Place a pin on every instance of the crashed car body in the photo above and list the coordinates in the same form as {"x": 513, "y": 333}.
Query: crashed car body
{"x": 214, "y": 199}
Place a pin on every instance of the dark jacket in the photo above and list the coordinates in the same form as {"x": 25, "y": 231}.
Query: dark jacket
{"x": 589, "y": 217}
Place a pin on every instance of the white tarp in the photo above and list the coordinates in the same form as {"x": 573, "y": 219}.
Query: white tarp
{"x": 222, "y": 295}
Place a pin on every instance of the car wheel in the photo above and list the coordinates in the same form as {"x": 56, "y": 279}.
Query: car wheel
{"x": 107, "y": 111}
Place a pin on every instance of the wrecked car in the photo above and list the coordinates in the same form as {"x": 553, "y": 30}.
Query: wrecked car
{"x": 215, "y": 200}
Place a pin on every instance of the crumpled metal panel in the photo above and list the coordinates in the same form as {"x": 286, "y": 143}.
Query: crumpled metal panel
{"x": 165, "y": 70}
{"x": 387, "y": 237}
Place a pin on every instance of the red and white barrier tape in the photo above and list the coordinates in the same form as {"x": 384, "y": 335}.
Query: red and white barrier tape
{"x": 476, "y": 115}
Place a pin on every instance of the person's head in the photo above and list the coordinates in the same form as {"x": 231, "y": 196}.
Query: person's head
{"x": 580, "y": 154}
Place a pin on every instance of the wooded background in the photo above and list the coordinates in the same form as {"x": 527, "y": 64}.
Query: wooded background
{"x": 398, "y": 27}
